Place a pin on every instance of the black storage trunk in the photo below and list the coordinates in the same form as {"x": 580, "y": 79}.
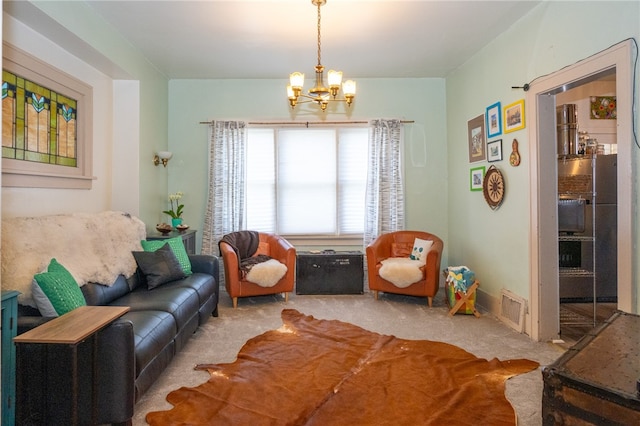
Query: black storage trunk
{"x": 596, "y": 382}
{"x": 329, "y": 272}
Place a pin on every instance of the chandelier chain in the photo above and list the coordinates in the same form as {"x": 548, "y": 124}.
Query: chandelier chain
{"x": 319, "y": 33}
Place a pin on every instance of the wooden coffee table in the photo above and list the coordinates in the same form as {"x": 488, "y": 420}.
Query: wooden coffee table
{"x": 69, "y": 331}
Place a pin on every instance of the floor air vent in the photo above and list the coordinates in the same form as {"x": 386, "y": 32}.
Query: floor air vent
{"x": 512, "y": 310}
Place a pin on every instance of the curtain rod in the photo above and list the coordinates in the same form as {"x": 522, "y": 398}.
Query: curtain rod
{"x": 308, "y": 123}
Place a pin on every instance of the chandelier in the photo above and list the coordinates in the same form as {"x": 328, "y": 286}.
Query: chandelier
{"x": 320, "y": 94}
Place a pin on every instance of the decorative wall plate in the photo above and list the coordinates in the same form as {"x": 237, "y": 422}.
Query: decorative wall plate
{"x": 514, "y": 158}
{"x": 493, "y": 187}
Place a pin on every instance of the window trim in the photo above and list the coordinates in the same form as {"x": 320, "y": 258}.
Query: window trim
{"x": 27, "y": 174}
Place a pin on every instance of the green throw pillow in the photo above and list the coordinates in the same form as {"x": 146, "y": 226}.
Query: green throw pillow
{"x": 59, "y": 286}
{"x": 159, "y": 267}
{"x": 176, "y": 245}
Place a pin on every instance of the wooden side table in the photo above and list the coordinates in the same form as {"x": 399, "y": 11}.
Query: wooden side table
{"x": 67, "y": 332}
{"x": 9, "y": 327}
{"x": 188, "y": 238}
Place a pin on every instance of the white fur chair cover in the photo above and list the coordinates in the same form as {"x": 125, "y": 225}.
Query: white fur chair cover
{"x": 401, "y": 271}
{"x": 94, "y": 247}
{"x": 267, "y": 274}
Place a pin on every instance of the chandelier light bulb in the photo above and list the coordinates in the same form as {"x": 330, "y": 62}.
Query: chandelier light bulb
{"x": 335, "y": 78}
{"x": 297, "y": 80}
{"x": 349, "y": 88}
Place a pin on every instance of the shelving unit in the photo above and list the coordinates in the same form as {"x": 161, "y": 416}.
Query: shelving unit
{"x": 577, "y": 181}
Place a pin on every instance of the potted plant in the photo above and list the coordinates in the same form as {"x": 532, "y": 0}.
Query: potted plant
{"x": 176, "y": 208}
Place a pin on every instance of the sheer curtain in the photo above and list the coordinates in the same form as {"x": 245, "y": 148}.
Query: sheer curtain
{"x": 226, "y": 201}
{"x": 384, "y": 203}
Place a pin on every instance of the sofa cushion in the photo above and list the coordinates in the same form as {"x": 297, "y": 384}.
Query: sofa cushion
{"x": 420, "y": 249}
{"x": 181, "y": 302}
{"x": 159, "y": 267}
{"x": 60, "y": 289}
{"x": 152, "y": 331}
{"x": 98, "y": 294}
{"x": 176, "y": 245}
{"x": 43, "y": 304}
{"x": 203, "y": 284}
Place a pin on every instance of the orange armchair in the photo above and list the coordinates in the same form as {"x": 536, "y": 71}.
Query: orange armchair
{"x": 271, "y": 245}
{"x": 400, "y": 244}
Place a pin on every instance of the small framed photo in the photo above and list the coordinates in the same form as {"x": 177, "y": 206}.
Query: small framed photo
{"x": 476, "y": 176}
{"x": 494, "y": 151}
{"x": 603, "y": 107}
{"x": 494, "y": 120}
{"x": 514, "y": 116}
{"x": 476, "y": 139}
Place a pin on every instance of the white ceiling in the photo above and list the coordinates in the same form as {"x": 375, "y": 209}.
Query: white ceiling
{"x": 271, "y": 38}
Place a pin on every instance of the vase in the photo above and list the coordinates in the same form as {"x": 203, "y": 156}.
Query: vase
{"x": 177, "y": 221}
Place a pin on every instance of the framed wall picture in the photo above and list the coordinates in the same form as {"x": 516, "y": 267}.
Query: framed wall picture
{"x": 603, "y": 108}
{"x": 476, "y": 139}
{"x": 494, "y": 120}
{"x": 514, "y": 116}
{"x": 494, "y": 151}
{"x": 49, "y": 143}
{"x": 476, "y": 176}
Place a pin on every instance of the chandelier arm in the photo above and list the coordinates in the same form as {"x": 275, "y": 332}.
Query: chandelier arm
{"x": 315, "y": 99}
{"x": 306, "y": 99}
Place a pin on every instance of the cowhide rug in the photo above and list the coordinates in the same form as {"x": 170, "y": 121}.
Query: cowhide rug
{"x": 327, "y": 372}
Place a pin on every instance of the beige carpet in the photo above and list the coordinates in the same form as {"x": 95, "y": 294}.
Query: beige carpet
{"x": 221, "y": 338}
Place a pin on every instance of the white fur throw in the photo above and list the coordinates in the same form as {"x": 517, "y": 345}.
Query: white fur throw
{"x": 267, "y": 274}
{"x": 401, "y": 271}
{"x": 94, "y": 247}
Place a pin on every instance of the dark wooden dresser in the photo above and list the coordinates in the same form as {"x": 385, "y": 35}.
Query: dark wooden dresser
{"x": 596, "y": 382}
{"x": 188, "y": 238}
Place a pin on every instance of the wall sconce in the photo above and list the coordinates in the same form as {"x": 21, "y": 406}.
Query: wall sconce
{"x": 162, "y": 156}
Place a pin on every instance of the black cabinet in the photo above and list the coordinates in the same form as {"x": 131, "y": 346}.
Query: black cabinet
{"x": 188, "y": 238}
{"x": 329, "y": 272}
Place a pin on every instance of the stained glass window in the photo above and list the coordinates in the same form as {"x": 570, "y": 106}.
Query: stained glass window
{"x": 47, "y": 124}
{"x": 38, "y": 124}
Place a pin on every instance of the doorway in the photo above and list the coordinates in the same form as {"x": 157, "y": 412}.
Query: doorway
{"x": 542, "y": 96}
{"x": 587, "y": 204}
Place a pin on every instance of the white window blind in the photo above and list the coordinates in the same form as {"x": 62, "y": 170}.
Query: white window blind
{"x": 308, "y": 182}
{"x": 261, "y": 180}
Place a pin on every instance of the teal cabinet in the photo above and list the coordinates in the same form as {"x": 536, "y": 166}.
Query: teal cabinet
{"x": 9, "y": 327}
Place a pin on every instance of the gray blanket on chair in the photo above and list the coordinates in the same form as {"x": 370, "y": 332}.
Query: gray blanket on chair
{"x": 245, "y": 244}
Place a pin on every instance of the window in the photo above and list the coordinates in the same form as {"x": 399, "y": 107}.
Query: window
{"x": 46, "y": 125}
{"x": 307, "y": 182}
{"x": 38, "y": 123}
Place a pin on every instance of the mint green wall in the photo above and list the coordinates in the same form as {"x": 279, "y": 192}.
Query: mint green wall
{"x": 38, "y": 201}
{"x": 100, "y": 55}
{"x": 421, "y": 100}
{"x": 495, "y": 244}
